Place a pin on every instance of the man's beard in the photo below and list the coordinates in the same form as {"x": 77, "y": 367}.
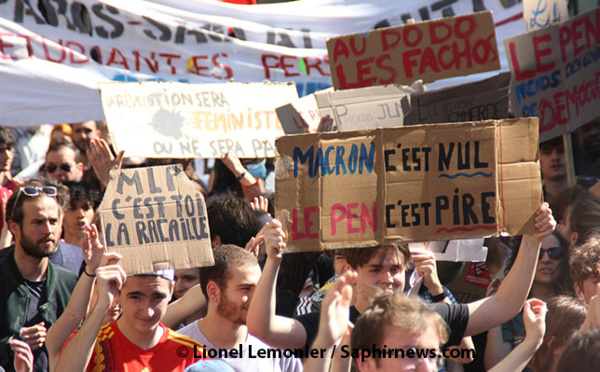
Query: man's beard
{"x": 33, "y": 250}
{"x": 229, "y": 311}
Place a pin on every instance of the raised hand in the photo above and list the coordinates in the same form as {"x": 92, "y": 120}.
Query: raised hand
{"x": 102, "y": 159}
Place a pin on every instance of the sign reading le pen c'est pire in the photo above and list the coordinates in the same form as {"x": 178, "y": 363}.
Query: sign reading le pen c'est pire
{"x": 416, "y": 183}
{"x": 155, "y": 217}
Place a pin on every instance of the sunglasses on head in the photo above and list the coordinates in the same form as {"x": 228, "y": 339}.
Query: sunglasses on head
{"x": 33, "y": 191}
{"x": 51, "y": 168}
{"x": 554, "y": 253}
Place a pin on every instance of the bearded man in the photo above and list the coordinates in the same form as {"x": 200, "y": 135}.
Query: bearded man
{"x": 33, "y": 290}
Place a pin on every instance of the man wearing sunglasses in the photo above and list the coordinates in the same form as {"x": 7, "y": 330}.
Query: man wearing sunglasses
{"x": 34, "y": 291}
{"x": 62, "y": 162}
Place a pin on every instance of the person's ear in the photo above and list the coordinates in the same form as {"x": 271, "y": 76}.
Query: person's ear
{"x": 213, "y": 291}
{"x": 15, "y": 229}
{"x": 366, "y": 364}
{"x": 578, "y": 291}
{"x": 574, "y": 238}
{"x": 216, "y": 241}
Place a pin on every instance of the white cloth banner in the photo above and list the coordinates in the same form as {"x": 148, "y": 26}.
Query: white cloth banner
{"x": 53, "y": 54}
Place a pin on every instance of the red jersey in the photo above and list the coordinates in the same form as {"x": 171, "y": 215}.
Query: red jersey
{"x": 113, "y": 352}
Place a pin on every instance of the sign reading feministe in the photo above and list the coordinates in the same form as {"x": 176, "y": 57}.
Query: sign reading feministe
{"x": 417, "y": 183}
{"x": 556, "y": 74}
{"x": 429, "y": 51}
{"x": 174, "y": 120}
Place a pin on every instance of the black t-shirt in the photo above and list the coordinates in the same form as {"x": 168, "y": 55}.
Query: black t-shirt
{"x": 455, "y": 315}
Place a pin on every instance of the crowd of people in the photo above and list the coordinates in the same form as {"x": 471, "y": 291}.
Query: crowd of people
{"x": 67, "y": 305}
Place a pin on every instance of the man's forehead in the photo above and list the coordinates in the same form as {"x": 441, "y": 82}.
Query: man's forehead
{"x": 385, "y": 257}
{"x": 63, "y": 152}
{"x": 41, "y": 203}
{"x": 248, "y": 274}
{"x": 88, "y": 125}
{"x": 135, "y": 283}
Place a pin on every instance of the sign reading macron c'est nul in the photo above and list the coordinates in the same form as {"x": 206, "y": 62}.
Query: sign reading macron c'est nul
{"x": 416, "y": 183}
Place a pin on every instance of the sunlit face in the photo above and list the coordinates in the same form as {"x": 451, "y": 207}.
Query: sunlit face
{"x": 83, "y": 133}
{"x": 552, "y": 162}
{"x": 77, "y": 217}
{"x": 547, "y": 268}
{"x": 184, "y": 280}
{"x": 62, "y": 165}
{"x": 234, "y": 300}
{"x": 40, "y": 230}
{"x": 144, "y": 300}
{"x": 384, "y": 270}
{"x": 396, "y": 338}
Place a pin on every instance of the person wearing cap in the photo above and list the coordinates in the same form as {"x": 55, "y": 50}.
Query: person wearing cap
{"x": 34, "y": 291}
{"x": 137, "y": 341}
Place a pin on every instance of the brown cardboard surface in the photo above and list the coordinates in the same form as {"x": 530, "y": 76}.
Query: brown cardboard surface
{"x": 483, "y": 100}
{"x": 433, "y": 50}
{"x": 556, "y": 74}
{"x": 156, "y": 218}
{"x": 364, "y": 188}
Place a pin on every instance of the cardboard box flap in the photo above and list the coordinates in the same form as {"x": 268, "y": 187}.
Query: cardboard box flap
{"x": 518, "y": 169}
{"x": 156, "y": 218}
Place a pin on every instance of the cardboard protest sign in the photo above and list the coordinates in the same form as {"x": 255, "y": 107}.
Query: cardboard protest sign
{"x": 556, "y": 74}
{"x": 433, "y": 50}
{"x": 156, "y": 218}
{"x": 483, "y": 100}
{"x": 366, "y": 108}
{"x": 300, "y": 116}
{"x": 174, "y": 120}
{"x": 542, "y": 13}
{"x": 417, "y": 183}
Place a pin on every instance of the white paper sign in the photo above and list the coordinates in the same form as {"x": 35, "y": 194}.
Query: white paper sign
{"x": 542, "y": 13}
{"x": 173, "y": 120}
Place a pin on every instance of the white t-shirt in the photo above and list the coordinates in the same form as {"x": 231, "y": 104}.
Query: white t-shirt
{"x": 250, "y": 359}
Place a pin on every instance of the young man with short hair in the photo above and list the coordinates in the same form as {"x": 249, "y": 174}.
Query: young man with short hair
{"x": 229, "y": 287}
{"x": 83, "y": 133}
{"x": 137, "y": 341}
